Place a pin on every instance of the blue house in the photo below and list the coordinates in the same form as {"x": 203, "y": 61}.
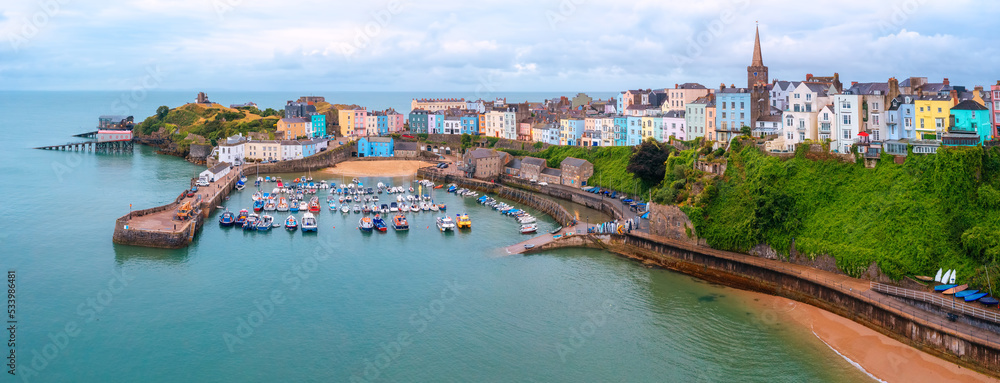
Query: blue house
{"x": 319, "y": 125}
{"x": 732, "y": 110}
{"x": 571, "y": 130}
{"x": 900, "y": 118}
{"x": 970, "y": 120}
{"x": 376, "y": 147}
{"x": 418, "y": 121}
{"x": 383, "y": 124}
{"x": 309, "y": 147}
{"x": 633, "y": 133}
{"x": 621, "y": 131}
{"x": 470, "y": 124}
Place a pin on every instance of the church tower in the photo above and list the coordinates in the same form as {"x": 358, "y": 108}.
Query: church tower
{"x": 757, "y": 83}
{"x": 756, "y": 72}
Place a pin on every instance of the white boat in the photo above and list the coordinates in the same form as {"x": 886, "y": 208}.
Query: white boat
{"x": 404, "y": 207}
{"x": 308, "y": 222}
{"x": 345, "y": 209}
{"x": 526, "y": 220}
{"x": 303, "y": 206}
{"x": 946, "y": 276}
{"x": 937, "y": 277}
{"x": 434, "y": 207}
{"x": 529, "y": 228}
{"x": 951, "y": 280}
{"x": 445, "y": 223}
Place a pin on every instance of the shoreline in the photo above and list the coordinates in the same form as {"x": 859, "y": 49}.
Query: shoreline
{"x": 879, "y": 356}
{"x": 392, "y": 168}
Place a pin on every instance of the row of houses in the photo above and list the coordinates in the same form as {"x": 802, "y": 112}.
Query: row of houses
{"x": 362, "y": 122}
{"x": 302, "y": 121}
{"x": 238, "y": 149}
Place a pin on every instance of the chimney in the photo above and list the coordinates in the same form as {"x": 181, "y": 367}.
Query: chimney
{"x": 723, "y": 85}
{"x": 809, "y": 76}
{"x": 920, "y": 92}
{"x": 853, "y": 83}
{"x": 677, "y": 86}
{"x": 954, "y": 96}
{"x": 946, "y": 82}
{"x": 732, "y": 85}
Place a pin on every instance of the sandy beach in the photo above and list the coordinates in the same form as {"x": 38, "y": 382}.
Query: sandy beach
{"x": 376, "y": 168}
{"x": 880, "y": 356}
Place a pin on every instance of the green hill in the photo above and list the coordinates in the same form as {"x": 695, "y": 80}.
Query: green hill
{"x": 933, "y": 211}
{"x": 212, "y": 122}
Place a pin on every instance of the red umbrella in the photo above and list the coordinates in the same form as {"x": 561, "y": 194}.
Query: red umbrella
{"x": 863, "y": 134}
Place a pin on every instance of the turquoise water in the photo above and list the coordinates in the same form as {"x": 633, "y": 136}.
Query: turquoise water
{"x": 419, "y": 306}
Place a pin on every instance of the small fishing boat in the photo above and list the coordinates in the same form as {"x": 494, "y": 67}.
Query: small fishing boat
{"x": 955, "y": 289}
{"x": 265, "y": 223}
{"x": 989, "y": 301}
{"x": 393, "y": 207}
{"x": 270, "y": 205}
{"x": 241, "y": 183}
{"x": 399, "y": 223}
{"x": 227, "y": 218}
{"x": 442, "y": 207}
{"x": 463, "y": 221}
{"x": 251, "y": 222}
{"x": 940, "y": 288}
{"x": 282, "y": 204}
{"x": 314, "y": 205}
{"x": 414, "y": 207}
{"x": 384, "y": 208}
{"x": 345, "y": 209}
{"x": 333, "y": 206}
{"x": 242, "y": 217}
{"x": 924, "y": 278}
{"x": 257, "y": 196}
{"x": 356, "y": 208}
{"x": 404, "y": 207}
{"x": 366, "y": 224}
{"x": 366, "y": 209}
{"x": 445, "y": 223}
{"x": 291, "y": 223}
{"x": 526, "y": 220}
{"x": 974, "y": 297}
{"x": 309, "y": 223}
{"x": 433, "y": 207}
{"x": 303, "y": 206}
{"x": 379, "y": 224}
{"x": 258, "y": 205}
{"x": 293, "y": 206}
{"x": 529, "y": 246}
{"x": 556, "y": 230}
{"x": 529, "y": 228}
{"x": 965, "y": 293}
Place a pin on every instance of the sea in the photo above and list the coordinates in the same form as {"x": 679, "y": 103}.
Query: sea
{"x": 338, "y": 305}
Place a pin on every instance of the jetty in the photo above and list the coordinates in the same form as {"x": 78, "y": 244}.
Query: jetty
{"x": 92, "y": 146}
{"x": 87, "y": 135}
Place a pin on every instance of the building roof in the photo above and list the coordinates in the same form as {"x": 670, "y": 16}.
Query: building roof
{"x": 112, "y": 117}
{"x": 690, "y": 85}
{"x": 570, "y": 161}
{"x": 219, "y": 167}
{"x": 483, "y": 153}
{"x": 552, "y": 172}
{"x": 404, "y": 145}
{"x": 675, "y": 114}
{"x": 290, "y": 143}
{"x": 233, "y": 140}
{"x": 379, "y": 139}
{"x": 534, "y": 161}
{"x": 969, "y": 105}
{"x": 292, "y": 120}
{"x": 515, "y": 164}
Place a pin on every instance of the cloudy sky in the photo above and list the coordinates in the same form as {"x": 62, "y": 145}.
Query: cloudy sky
{"x": 511, "y": 45}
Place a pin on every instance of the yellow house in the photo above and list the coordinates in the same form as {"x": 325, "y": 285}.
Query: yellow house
{"x": 932, "y": 113}
{"x": 295, "y": 127}
{"x": 345, "y": 117}
{"x": 263, "y": 150}
{"x": 647, "y": 127}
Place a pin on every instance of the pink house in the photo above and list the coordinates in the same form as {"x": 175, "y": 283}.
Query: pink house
{"x": 360, "y": 122}
{"x": 524, "y": 129}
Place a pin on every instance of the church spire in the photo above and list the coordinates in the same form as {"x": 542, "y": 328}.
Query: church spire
{"x": 758, "y": 60}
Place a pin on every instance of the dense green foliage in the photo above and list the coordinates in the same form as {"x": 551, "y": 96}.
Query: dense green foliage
{"x": 934, "y": 211}
{"x": 649, "y": 161}
{"x": 211, "y": 123}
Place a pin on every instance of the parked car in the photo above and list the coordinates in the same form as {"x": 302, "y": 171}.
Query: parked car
{"x": 192, "y": 192}
{"x": 543, "y": 183}
{"x": 202, "y": 182}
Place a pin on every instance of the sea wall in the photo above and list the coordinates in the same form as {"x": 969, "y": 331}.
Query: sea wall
{"x": 884, "y": 314}
{"x": 544, "y": 205}
{"x": 608, "y": 206}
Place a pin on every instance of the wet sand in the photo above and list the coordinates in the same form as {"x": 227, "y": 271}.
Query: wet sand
{"x": 376, "y": 168}
{"x": 882, "y": 357}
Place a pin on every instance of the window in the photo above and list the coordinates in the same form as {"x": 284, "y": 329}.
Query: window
{"x": 939, "y": 122}
{"x": 875, "y": 119}
{"x": 809, "y": 97}
{"x": 797, "y": 96}
{"x": 826, "y": 116}
{"x": 802, "y": 136}
{"x": 939, "y": 110}
{"x": 741, "y": 105}
{"x": 922, "y": 124}
{"x": 802, "y": 123}
{"x": 921, "y": 109}
{"x": 908, "y": 122}
{"x": 732, "y": 105}
{"x": 796, "y": 108}
{"x": 789, "y": 122}
{"x": 809, "y": 108}
{"x": 847, "y": 134}
{"x": 847, "y": 119}
{"x": 742, "y": 115}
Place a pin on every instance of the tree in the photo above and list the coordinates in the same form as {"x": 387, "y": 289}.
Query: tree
{"x": 162, "y": 111}
{"x": 746, "y": 130}
{"x": 648, "y": 161}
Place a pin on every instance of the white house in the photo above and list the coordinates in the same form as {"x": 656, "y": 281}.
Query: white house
{"x": 233, "y": 150}
{"x": 291, "y": 150}
{"x": 780, "y": 93}
{"x": 452, "y": 125}
{"x": 825, "y": 122}
{"x": 215, "y": 173}
{"x": 799, "y": 118}
{"x": 847, "y": 108}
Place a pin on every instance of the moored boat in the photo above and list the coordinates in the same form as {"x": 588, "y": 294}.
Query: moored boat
{"x": 291, "y": 223}
{"x": 463, "y": 221}
{"x": 251, "y": 222}
{"x": 264, "y": 224}
{"x": 293, "y": 206}
{"x": 258, "y": 205}
{"x": 379, "y": 223}
{"x": 282, "y": 204}
{"x": 227, "y": 218}
{"x": 365, "y": 224}
{"x": 399, "y": 223}
{"x": 445, "y": 223}
{"x": 309, "y": 223}
{"x": 345, "y": 209}
{"x": 924, "y": 278}
{"x": 303, "y": 206}
{"x": 242, "y": 217}
{"x": 529, "y": 228}
{"x": 270, "y": 205}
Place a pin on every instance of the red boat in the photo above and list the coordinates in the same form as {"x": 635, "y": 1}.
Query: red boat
{"x": 314, "y": 205}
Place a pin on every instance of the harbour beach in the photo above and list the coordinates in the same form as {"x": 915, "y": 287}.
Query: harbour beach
{"x": 375, "y": 168}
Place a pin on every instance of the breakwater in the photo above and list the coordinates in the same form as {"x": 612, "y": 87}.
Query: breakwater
{"x": 544, "y": 205}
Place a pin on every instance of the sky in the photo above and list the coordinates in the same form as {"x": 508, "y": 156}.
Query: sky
{"x": 511, "y": 45}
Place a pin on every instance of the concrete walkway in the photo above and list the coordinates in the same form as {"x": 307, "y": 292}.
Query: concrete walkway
{"x": 578, "y": 229}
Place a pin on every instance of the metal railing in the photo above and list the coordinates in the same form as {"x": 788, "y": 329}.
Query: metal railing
{"x": 936, "y": 300}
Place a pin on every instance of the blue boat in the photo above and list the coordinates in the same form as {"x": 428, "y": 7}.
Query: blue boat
{"x": 380, "y": 224}
{"x": 940, "y": 288}
{"x": 965, "y": 293}
{"x": 227, "y": 218}
{"x": 293, "y": 206}
{"x": 975, "y": 297}
{"x": 989, "y": 301}
{"x": 258, "y": 205}
{"x": 242, "y": 217}
{"x": 265, "y": 222}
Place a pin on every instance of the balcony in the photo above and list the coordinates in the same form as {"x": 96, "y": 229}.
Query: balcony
{"x": 824, "y": 127}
